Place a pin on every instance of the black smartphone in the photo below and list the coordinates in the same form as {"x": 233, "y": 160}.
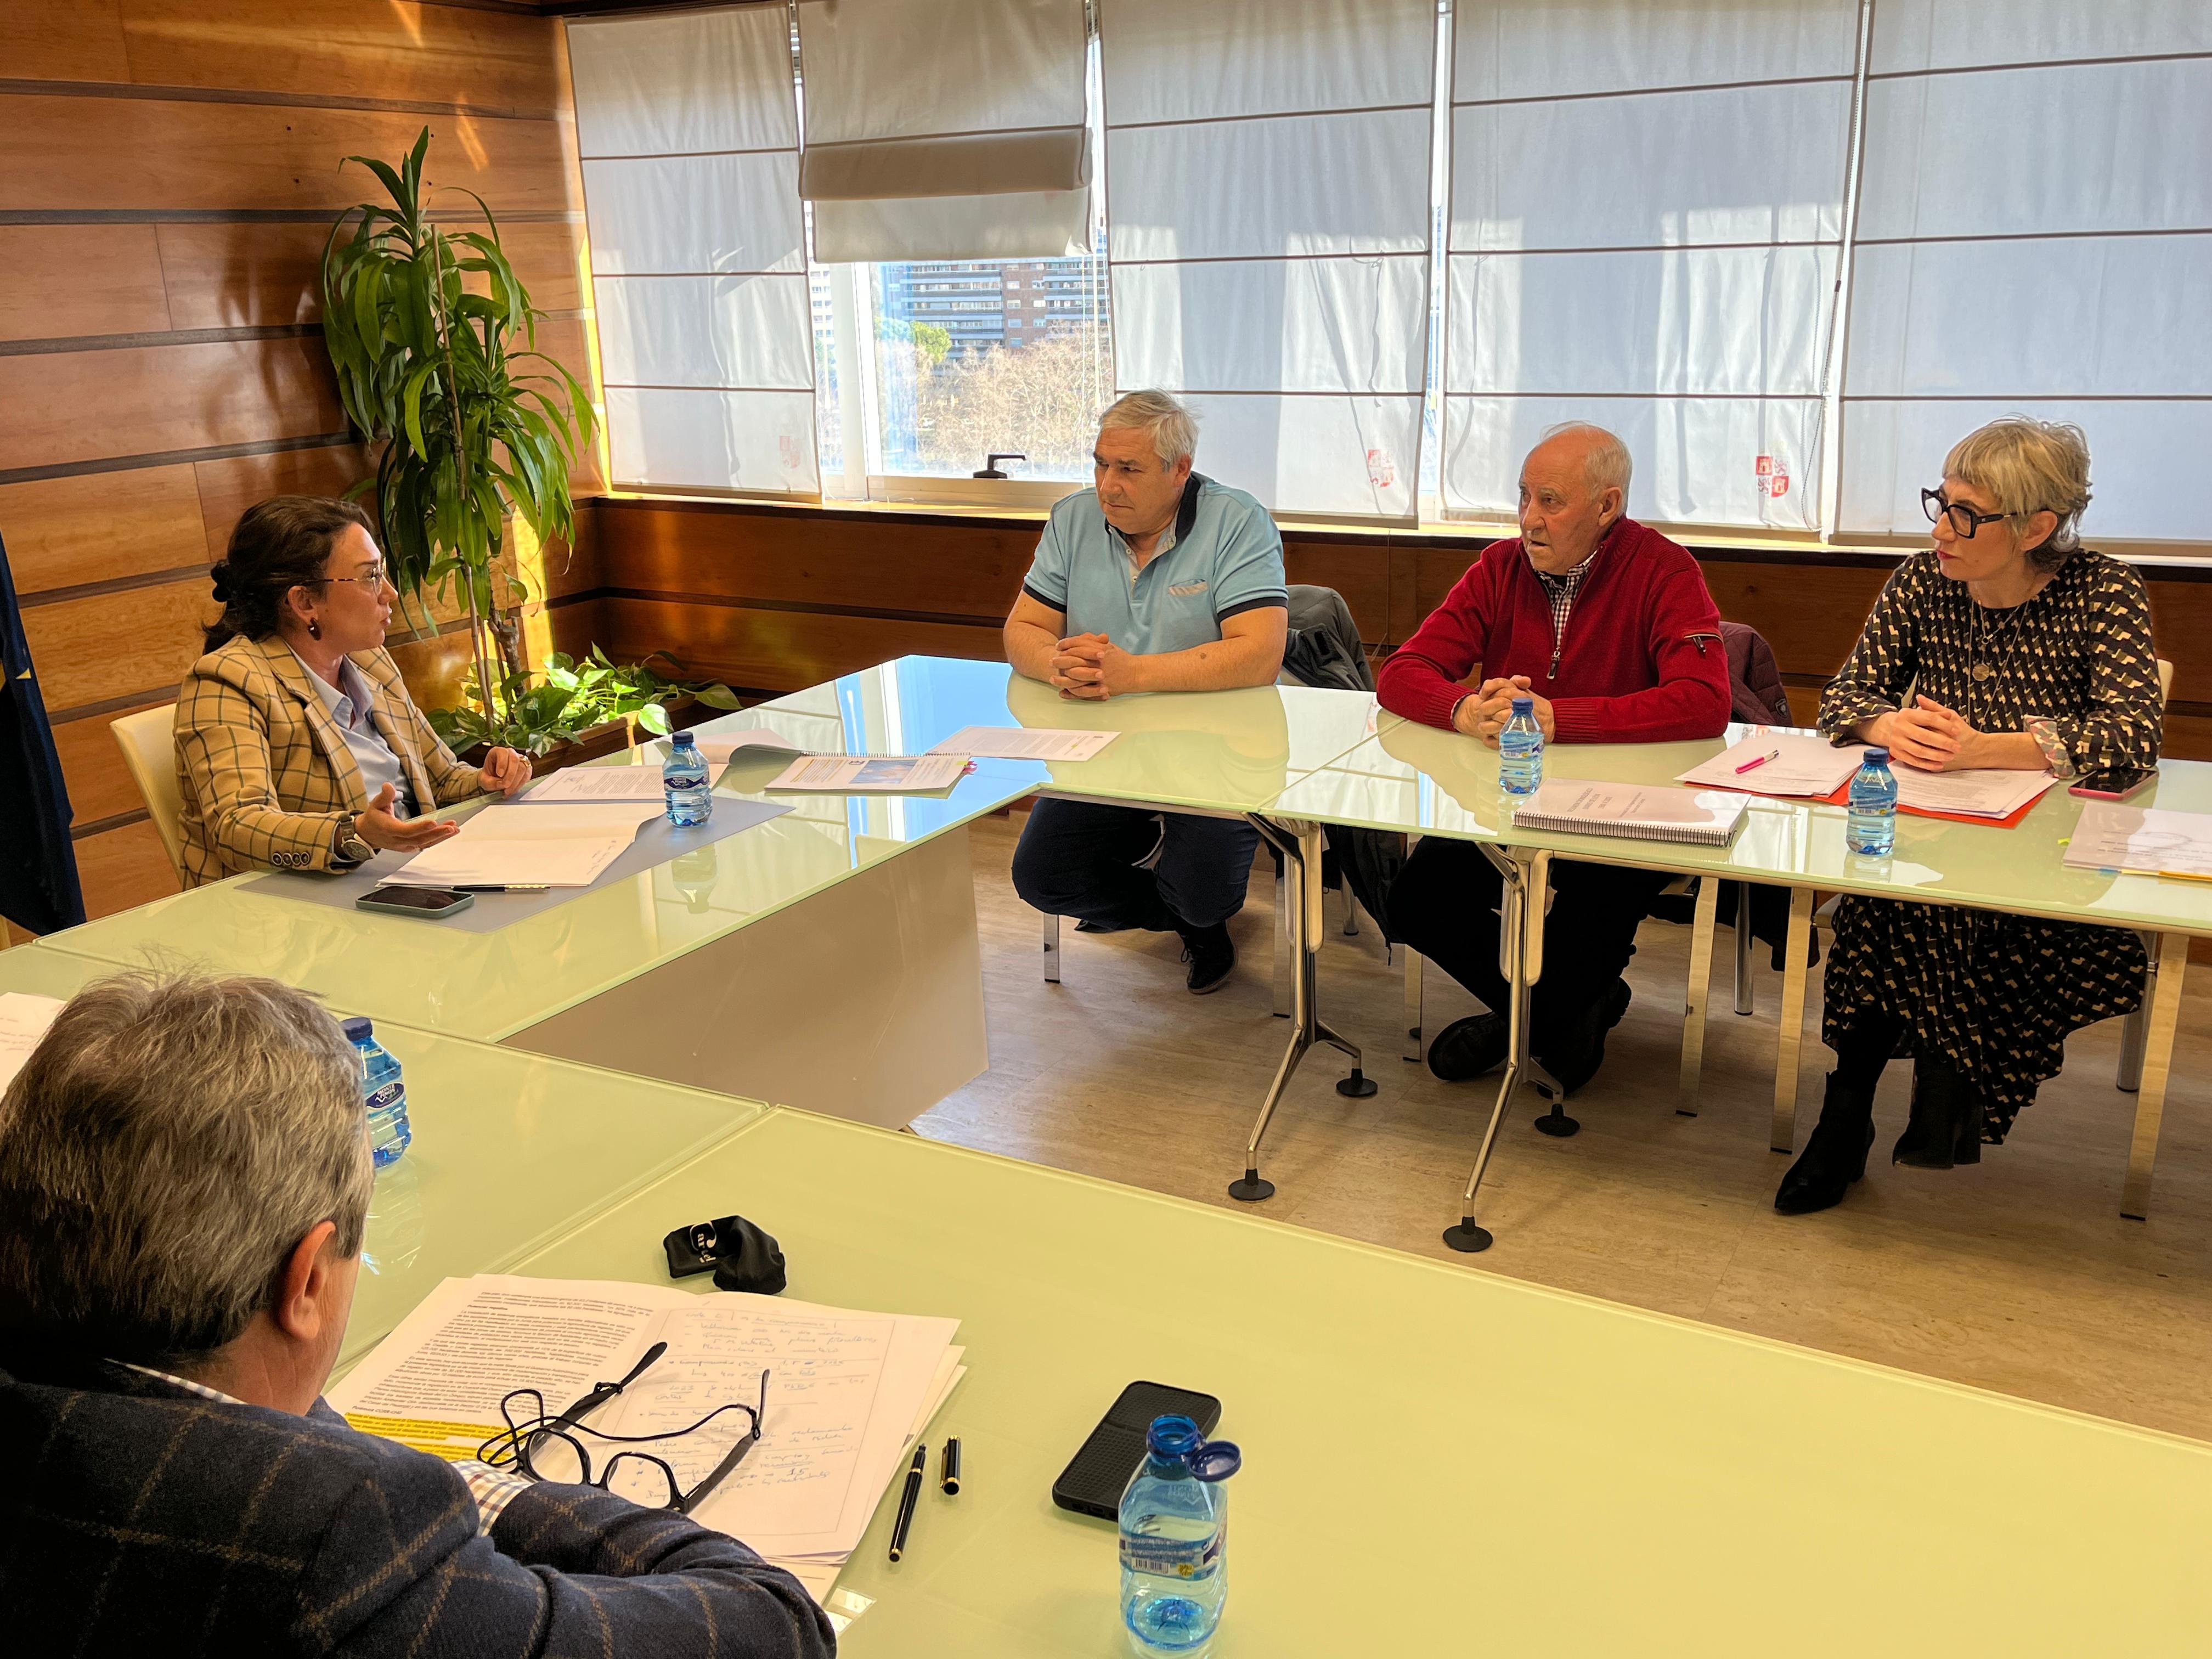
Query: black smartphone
{"x": 1091, "y": 1483}
{"x": 415, "y": 901}
{"x": 2117, "y": 784}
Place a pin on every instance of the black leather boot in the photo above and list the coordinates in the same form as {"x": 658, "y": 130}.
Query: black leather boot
{"x": 1835, "y": 1153}
{"x": 1946, "y": 1109}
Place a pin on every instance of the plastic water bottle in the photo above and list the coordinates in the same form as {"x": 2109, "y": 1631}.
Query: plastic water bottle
{"x": 1175, "y": 1540}
{"x": 383, "y": 1094}
{"x": 1870, "y": 829}
{"x": 684, "y": 776}
{"x": 1521, "y": 750}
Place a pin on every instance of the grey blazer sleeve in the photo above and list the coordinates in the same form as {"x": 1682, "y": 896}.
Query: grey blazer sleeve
{"x": 568, "y": 1571}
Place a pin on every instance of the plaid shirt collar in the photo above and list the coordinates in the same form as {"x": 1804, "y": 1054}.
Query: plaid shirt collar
{"x": 1561, "y": 589}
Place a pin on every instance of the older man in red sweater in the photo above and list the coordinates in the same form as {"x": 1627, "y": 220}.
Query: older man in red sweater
{"x": 1607, "y": 628}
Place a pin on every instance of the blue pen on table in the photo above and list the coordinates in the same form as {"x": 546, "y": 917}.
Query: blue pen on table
{"x": 1772, "y": 754}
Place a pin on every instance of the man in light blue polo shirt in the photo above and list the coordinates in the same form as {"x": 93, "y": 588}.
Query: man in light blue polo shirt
{"x": 1156, "y": 580}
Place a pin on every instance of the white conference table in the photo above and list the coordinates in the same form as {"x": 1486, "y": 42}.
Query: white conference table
{"x": 826, "y": 958}
{"x": 1425, "y": 781}
{"x": 1434, "y": 1461}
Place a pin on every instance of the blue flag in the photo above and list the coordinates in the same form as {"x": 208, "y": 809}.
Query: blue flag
{"x": 37, "y": 875}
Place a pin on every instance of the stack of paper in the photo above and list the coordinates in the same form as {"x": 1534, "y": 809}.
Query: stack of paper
{"x": 2147, "y": 839}
{"x": 848, "y": 1393}
{"x": 1023, "y": 743}
{"x": 1779, "y": 764}
{"x": 1641, "y": 812}
{"x": 1990, "y": 793}
{"x": 567, "y": 845}
{"x": 23, "y": 1021}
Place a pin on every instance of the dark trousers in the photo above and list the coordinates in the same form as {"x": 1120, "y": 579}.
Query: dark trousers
{"x": 1444, "y": 904}
{"x": 1080, "y": 860}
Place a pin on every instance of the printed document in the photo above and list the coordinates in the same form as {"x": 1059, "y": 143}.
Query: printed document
{"x": 1802, "y": 765}
{"x": 564, "y": 845}
{"x": 575, "y": 783}
{"x": 1989, "y": 793}
{"x": 860, "y": 774}
{"x": 2146, "y": 839}
{"x": 1023, "y": 743}
{"x": 23, "y": 1021}
{"x": 847, "y": 1392}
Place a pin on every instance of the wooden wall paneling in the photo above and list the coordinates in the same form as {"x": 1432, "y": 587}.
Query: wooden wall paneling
{"x": 1435, "y": 570}
{"x": 2188, "y": 735}
{"x": 2181, "y": 628}
{"x": 63, "y": 40}
{"x": 945, "y": 569}
{"x": 119, "y": 868}
{"x": 96, "y": 527}
{"x": 1406, "y": 614}
{"x": 780, "y": 650}
{"x": 60, "y": 282}
{"x": 106, "y": 646}
{"x": 73, "y": 406}
{"x": 255, "y": 276}
{"x": 575, "y": 628}
{"x": 62, "y": 153}
{"x": 393, "y": 51}
{"x": 227, "y": 488}
{"x": 1360, "y": 573}
{"x": 1810, "y": 614}
{"x": 434, "y": 668}
{"x": 100, "y": 786}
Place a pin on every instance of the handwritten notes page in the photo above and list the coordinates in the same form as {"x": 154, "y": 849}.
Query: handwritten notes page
{"x": 2146, "y": 839}
{"x": 23, "y": 1021}
{"x": 1801, "y": 766}
{"x": 847, "y": 1392}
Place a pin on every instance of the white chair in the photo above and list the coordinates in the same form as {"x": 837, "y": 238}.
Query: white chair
{"x": 148, "y": 740}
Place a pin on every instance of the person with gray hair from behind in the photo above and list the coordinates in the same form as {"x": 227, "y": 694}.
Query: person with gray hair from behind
{"x": 1157, "y": 578}
{"x": 1608, "y": 629}
{"x": 184, "y": 1183}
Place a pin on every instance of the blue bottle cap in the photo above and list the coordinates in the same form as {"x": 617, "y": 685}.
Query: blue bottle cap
{"x": 1874, "y": 755}
{"x": 357, "y": 1029}
{"x": 1524, "y": 705}
{"x": 685, "y": 740}
{"x": 1216, "y": 1460}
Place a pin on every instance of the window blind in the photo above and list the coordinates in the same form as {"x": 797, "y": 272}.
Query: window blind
{"x": 1268, "y": 233}
{"x": 2035, "y": 235}
{"x": 688, "y": 129}
{"x": 953, "y": 130}
{"x": 1646, "y": 222}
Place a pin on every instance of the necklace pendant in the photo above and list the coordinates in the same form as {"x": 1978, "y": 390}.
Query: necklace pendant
{"x": 1983, "y": 671}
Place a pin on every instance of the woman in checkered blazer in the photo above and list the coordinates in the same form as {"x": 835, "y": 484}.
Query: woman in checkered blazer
{"x": 298, "y": 747}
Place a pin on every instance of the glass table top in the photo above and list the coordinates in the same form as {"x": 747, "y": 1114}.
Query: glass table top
{"x": 1423, "y": 781}
{"x": 511, "y": 1151}
{"x": 1230, "y": 751}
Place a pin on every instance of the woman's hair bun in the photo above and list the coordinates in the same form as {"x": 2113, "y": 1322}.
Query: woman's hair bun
{"x": 220, "y": 575}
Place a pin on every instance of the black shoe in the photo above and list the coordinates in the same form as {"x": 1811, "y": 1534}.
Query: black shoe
{"x": 1946, "y": 1116}
{"x": 1575, "y": 1061}
{"x": 1467, "y": 1048}
{"x": 1211, "y": 955}
{"x": 1835, "y": 1153}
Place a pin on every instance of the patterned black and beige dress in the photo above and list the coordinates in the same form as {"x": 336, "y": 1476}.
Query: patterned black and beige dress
{"x": 1997, "y": 994}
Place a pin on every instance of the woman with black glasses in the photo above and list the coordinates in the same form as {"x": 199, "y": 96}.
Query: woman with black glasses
{"x": 2006, "y": 645}
{"x": 298, "y": 747}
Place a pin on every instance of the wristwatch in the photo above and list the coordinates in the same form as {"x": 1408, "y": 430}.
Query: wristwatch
{"x": 351, "y": 847}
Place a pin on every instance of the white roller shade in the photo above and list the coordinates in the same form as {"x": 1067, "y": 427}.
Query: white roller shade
{"x": 688, "y": 128}
{"x": 1267, "y": 171}
{"x": 1645, "y": 228}
{"x": 2034, "y": 236}
{"x": 949, "y": 129}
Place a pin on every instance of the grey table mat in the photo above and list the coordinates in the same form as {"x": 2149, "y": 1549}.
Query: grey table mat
{"x": 658, "y": 841}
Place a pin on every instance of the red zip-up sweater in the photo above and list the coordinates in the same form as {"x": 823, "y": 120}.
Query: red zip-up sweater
{"x": 1642, "y": 661}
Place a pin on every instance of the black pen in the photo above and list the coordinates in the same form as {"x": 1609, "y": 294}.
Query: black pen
{"x": 907, "y": 1500}
{"x": 498, "y": 887}
{"x": 948, "y": 1473}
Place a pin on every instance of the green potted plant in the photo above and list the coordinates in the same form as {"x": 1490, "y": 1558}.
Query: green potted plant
{"x": 573, "y": 700}
{"x": 473, "y": 421}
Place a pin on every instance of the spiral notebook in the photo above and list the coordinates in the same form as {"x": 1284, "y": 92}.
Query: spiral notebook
{"x": 1702, "y": 817}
